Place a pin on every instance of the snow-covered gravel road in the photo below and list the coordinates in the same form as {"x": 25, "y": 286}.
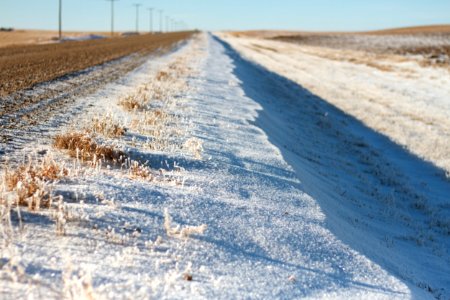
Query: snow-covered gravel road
{"x": 298, "y": 200}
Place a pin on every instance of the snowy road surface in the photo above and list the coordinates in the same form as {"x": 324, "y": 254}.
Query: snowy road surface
{"x": 298, "y": 199}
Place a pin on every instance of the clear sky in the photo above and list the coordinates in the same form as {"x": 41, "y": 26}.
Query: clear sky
{"x": 325, "y": 15}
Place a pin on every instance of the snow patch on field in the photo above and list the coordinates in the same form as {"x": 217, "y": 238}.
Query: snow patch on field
{"x": 83, "y": 38}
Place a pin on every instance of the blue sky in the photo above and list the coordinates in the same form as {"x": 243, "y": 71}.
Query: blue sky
{"x": 230, "y": 14}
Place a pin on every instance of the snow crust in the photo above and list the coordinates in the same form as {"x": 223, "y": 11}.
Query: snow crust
{"x": 295, "y": 202}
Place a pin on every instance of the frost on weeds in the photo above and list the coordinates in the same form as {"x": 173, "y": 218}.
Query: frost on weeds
{"x": 30, "y": 183}
{"x": 178, "y": 232}
{"x": 194, "y": 146}
{"x": 162, "y": 76}
{"x": 82, "y": 146}
{"x": 78, "y": 285}
{"x": 106, "y": 126}
{"x": 137, "y": 170}
{"x": 132, "y": 103}
{"x": 60, "y": 217}
{"x": 11, "y": 267}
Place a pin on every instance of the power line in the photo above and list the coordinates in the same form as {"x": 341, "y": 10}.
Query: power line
{"x": 137, "y": 5}
{"x": 112, "y": 16}
{"x": 161, "y": 20}
{"x": 174, "y": 26}
{"x": 167, "y": 23}
{"x": 60, "y": 20}
{"x": 150, "y": 10}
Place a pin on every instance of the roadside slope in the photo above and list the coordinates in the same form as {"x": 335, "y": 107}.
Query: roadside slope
{"x": 408, "y": 103}
{"x": 377, "y": 197}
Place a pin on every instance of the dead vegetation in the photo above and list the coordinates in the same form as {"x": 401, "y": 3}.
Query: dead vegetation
{"x": 81, "y": 146}
{"x": 195, "y": 147}
{"x": 162, "y": 75}
{"x": 106, "y": 126}
{"x": 78, "y": 284}
{"x": 131, "y": 103}
{"x": 137, "y": 170}
{"x": 29, "y": 184}
{"x": 181, "y": 232}
{"x": 432, "y": 55}
{"x": 432, "y": 47}
{"x": 156, "y": 116}
{"x": 152, "y": 103}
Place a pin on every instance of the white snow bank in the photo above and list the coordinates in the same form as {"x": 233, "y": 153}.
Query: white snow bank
{"x": 83, "y": 38}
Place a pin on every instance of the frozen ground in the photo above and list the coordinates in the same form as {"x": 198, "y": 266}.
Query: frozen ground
{"x": 381, "y": 43}
{"x": 400, "y": 99}
{"x": 300, "y": 200}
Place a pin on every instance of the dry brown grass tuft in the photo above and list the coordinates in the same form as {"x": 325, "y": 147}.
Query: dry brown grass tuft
{"x": 195, "y": 146}
{"x": 137, "y": 170}
{"x": 131, "y": 103}
{"x": 161, "y": 91}
{"x": 29, "y": 183}
{"x": 82, "y": 146}
{"x": 162, "y": 75}
{"x": 155, "y": 117}
{"x": 107, "y": 126}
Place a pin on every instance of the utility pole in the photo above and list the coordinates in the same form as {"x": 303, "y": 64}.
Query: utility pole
{"x": 60, "y": 20}
{"x": 161, "y": 21}
{"x": 137, "y": 5}
{"x": 150, "y": 10}
{"x": 167, "y": 23}
{"x": 112, "y": 15}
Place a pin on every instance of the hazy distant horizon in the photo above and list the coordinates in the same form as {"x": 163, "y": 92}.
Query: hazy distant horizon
{"x": 225, "y": 30}
{"x": 322, "y": 15}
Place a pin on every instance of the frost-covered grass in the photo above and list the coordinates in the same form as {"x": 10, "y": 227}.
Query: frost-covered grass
{"x": 82, "y": 146}
{"x": 106, "y": 126}
{"x": 100, "y": 142}
{"x": 30, "y": 183}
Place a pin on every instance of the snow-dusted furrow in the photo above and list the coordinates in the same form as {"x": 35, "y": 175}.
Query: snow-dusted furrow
{"x": 34, "y": 113}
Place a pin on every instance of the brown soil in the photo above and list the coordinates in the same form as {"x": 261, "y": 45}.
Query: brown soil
{"x": 22, "y": 67}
